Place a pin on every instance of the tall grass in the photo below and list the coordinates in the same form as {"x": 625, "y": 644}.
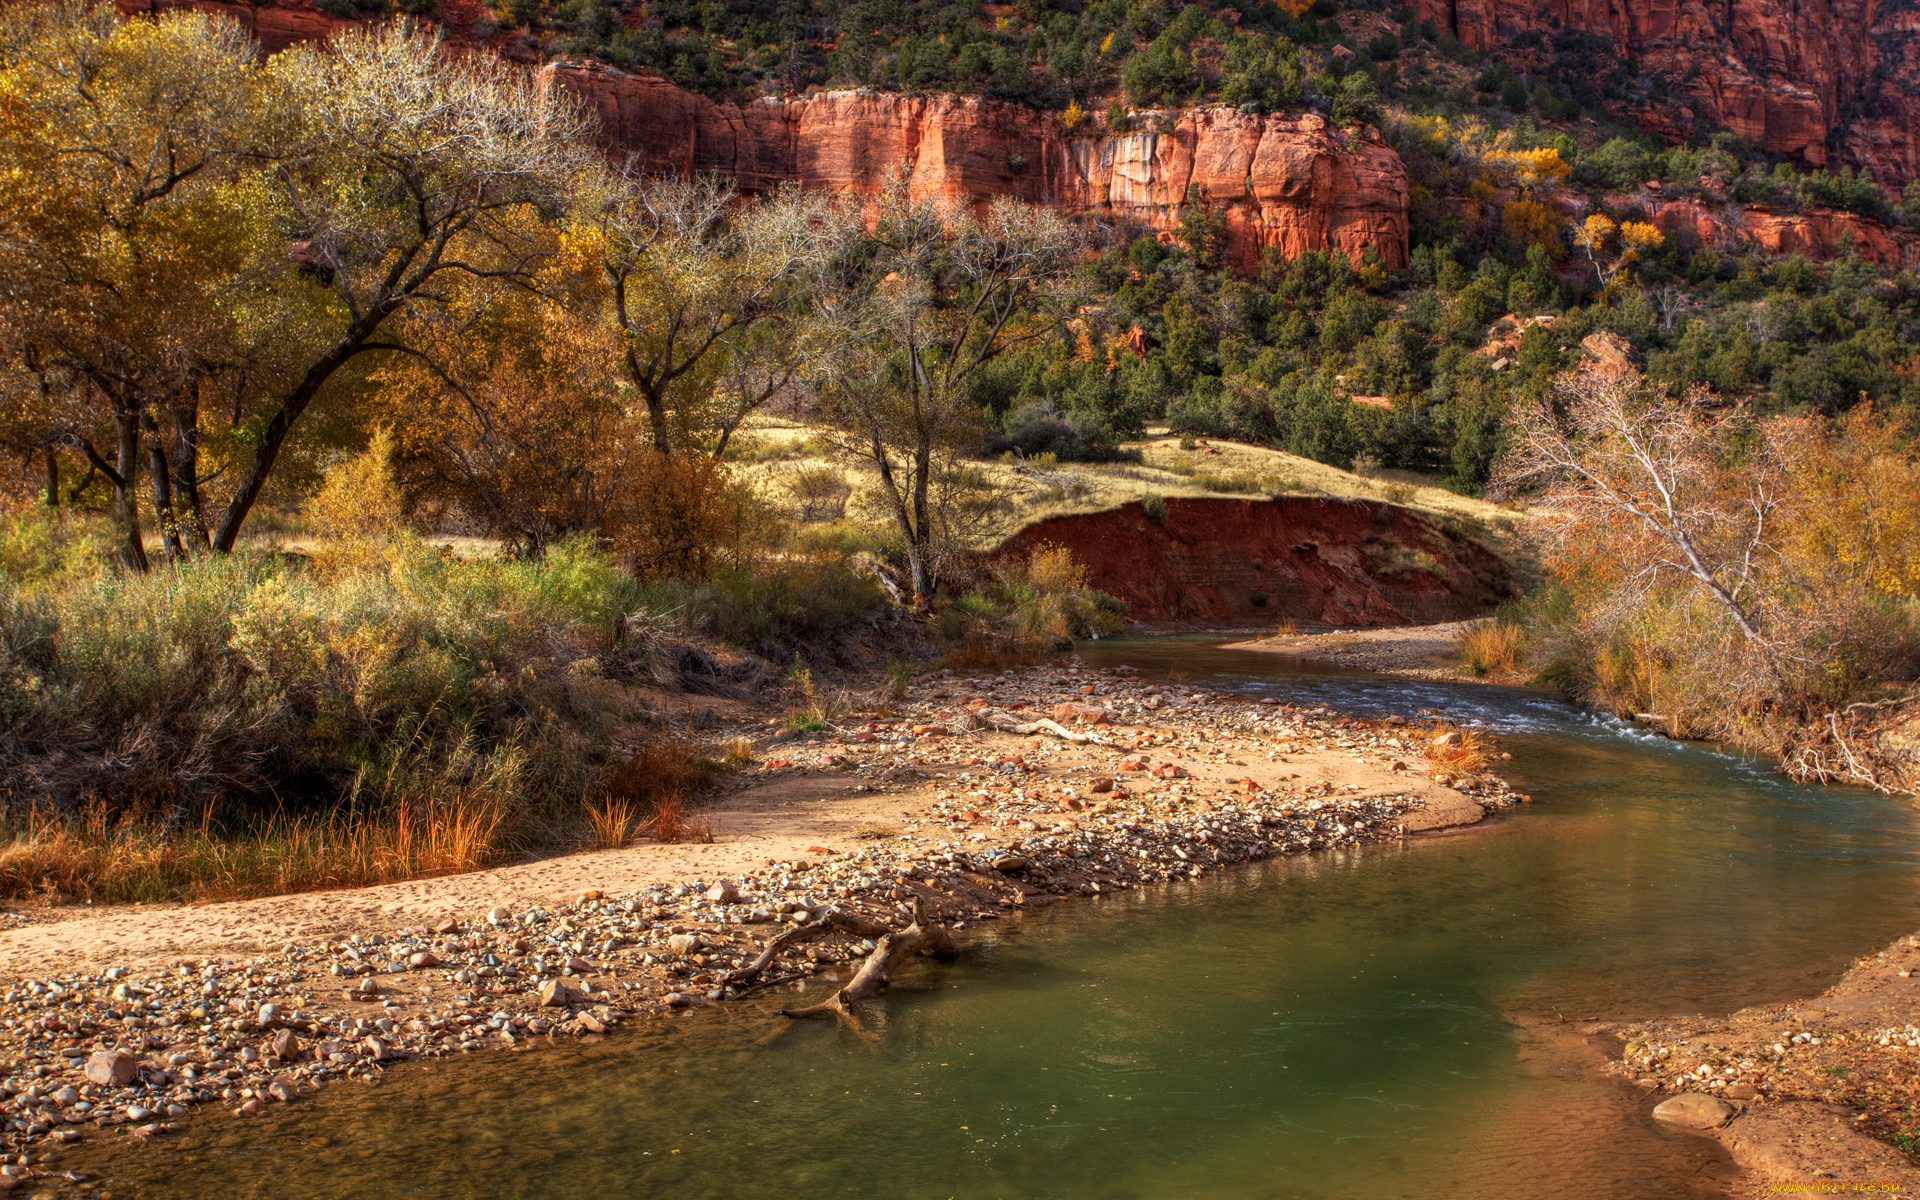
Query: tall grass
{"x": 1492, "y": 648}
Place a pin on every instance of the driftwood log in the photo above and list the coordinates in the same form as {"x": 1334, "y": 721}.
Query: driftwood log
{"x": 825, "y": 921}
{"x": 891, "y": 948}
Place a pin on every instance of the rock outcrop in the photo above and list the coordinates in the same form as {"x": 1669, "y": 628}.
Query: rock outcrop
{"x": 1820, "y": 233}
{"x": 1290, "y": 183}
{"x": 1353, "y": 563}
{"x": 1817, "y": 79}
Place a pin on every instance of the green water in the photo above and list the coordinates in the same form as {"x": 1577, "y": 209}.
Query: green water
{"x": 1377, "y": 1023}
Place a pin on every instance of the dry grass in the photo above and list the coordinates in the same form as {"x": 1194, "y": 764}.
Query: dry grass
{"x": 1288, "y": 627}
{"x": 611, "y": 823}
{"x": 1471, "y": 753}
{"x": 1492, "y": 649}
{"x": 674, "y": 821}
{"x": 93, "y": 856}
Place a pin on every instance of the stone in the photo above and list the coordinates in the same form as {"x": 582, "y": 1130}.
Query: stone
{"x": 66, "y": 1096}
{"x": 723, "y": 893}
{"x": 1101, "y": 784}
{"x": 578, "y": 965}
{"x": 1741, "y": 1091}
{"x": 1694, "y": 1110}
{"x": 590, "y": 1023}
{"x": 557, "y": 993}
{"x": 269, "y": 1013}
{"x": 112, "y": 1068}
{"x": 1613, "y": 354}
{"x": 450, "y": 925}
{"x": 1010, "y": 862}
{"x": 500, "y": 916}
{"x": 136, "y": 1113}
{"x": 422, "y": 960}
{"x": 285, "y": 1045}
{"x": 684, "y": 943}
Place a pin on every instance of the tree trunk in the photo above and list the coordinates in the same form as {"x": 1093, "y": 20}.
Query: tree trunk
{"x": 186, "y": 469}
{"x": 274, "y": 437}
{"x": 163, "y": 515}
{"x": 125, "y": 498}
{"x": 874, "y": 974}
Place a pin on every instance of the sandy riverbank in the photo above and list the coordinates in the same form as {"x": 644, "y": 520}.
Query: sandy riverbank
{"x": 1413, "y": 651}
{"x": 125, "y": 1021}
{"x": 1818, "y": 1092}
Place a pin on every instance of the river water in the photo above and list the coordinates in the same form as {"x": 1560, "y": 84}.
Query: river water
{"x": 1396, "y": 1021}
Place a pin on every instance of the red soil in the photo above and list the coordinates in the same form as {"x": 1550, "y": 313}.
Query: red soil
{"x": 1341, "y": 562}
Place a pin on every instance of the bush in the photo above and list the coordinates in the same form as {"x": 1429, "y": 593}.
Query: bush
{"x": 230, "y": 682}
{"x": 1039, "y": 428}
{"x": 1491, "y": 648}
{"x": 1043, "y": 598}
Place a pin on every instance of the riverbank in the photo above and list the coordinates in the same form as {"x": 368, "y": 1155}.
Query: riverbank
{"x": 1410, "y": 651}
{"x": 956, "y": 797}
{"x": 1810, "y": 1093}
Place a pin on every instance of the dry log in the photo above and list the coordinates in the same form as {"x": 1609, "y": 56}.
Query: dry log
{"x": 892, "y": 949}
{"x": 828, "y": 920}
{"x": 1045, "y": 726}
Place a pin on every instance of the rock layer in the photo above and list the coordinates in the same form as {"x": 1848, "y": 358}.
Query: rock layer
{"x": 1352, "y": 563}
{"x": 1289, "y": 183}
{"x": 1812, "y": 79}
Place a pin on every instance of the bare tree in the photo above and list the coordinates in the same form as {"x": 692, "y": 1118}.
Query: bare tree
{"x": 937, "y": 295}
{"x": 1644, "y": 483}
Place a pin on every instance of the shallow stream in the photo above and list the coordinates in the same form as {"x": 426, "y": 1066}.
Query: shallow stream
{"x": 1391, "y": 1022}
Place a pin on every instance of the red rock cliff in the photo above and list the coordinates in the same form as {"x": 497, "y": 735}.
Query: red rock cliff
{"x": 1291, "y": 183}
{"x": 1811, "y": 78}
{"x": 1342, "y": 562}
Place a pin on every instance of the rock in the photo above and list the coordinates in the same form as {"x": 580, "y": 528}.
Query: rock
{"x": 684, "y": 943}
{"x": 679, "y": 1000}
{"x": 375, "y": 1048}
{"x": 1613, "y": 354}
{"x": 1450, "y": 738}
{"x": 285, "y": 1045}
{"x": 1694, "y": 1110}
{"x": 723, "y": 893}
{"x": 1823, "y": 83}
{"x": 1010, "y": 862}
{"x": 66, "y": 1096}
{"x": 1277, "y": 181}
{"x": 557, "y": 993}
{"x": 450, "y": 925}
{"x": 112, "y": 1068}
{"x": 500, "y": 916}
{"x": 269, "y": 1013}
{"x": 1101, "y": 784}
{"x": 136, "y": 1113}
{"x": 589, "y": 1022}
{"x": 1741, "y": 1091}
{"x": 422, "y": 960}
{"x": 579, "y": 966}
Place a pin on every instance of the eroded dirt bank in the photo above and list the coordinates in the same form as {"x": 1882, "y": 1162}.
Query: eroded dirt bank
{"x": 1342, "y": 562}
{"x": 120, "y": 1024}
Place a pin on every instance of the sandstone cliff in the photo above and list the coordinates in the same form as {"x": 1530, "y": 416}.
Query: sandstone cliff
{"x": 1291, "y": 183}
{"x": 1818, "y": 79}
{"x": 1341, "y": 562}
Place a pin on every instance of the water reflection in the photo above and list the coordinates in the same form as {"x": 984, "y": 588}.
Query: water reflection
{"x": 1375, "y": 1022}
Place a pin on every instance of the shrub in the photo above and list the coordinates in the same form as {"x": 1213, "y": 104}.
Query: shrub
{"x": 822, "y": 493}
{"x": 1155, "y": 508}
{"x": 1491, "y": 648}
{"x": 1038, "y": 428}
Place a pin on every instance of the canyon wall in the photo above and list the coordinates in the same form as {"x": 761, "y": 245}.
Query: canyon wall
{"x": 1818, "y": 79}
{"x": 1353, "y": 563}
{"x": 1290, "y": 183}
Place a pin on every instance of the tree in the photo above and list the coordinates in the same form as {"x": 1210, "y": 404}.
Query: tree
{"x": 400, "y": 168}
{"x": 934, "y": 296}
{"x": 1635, "y": 484}
{"x": 133, "y": 248}
{"x": 704, "y": 291}
{"x": 1611, "y": 248}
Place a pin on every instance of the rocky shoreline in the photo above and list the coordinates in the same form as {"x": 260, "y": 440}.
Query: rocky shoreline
{"x": 1819, "y": 1091}
{"x": 1135, "y": 782}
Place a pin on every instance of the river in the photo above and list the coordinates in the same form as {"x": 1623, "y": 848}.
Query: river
{"x": 1398, "y": 1021}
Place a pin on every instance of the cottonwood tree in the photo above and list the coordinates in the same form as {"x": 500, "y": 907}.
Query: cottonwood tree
{"x": 1647, "y": 490}
{"x": 933, "y": 295}
{"x": 709, "y": 295}
{"x": 131, "y": 242}
{"x": 399, "y": 168}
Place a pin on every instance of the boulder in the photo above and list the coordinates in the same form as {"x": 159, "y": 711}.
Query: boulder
{"x": 1694, "y": 1110}
{"x": 112, "y": 1068}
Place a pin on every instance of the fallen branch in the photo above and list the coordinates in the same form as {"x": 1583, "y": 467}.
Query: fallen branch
{"x": 874, "y": 974}
{"x": 826, "y": 921}
{"x": 1007, "y": 724}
